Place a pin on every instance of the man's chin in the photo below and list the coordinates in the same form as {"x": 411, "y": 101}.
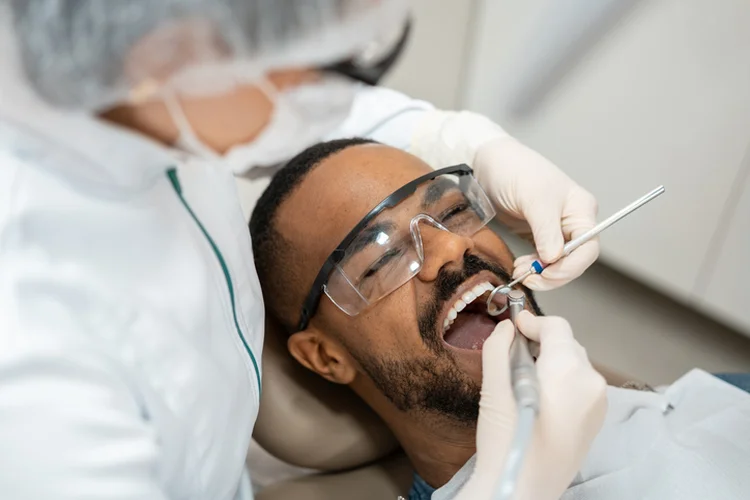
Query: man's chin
{"x": 444, "y": 384}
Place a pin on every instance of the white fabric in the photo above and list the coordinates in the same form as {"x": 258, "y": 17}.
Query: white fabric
{"x": 689, "y": 441}
{"x": 126, "y": 336}
{"x": 122, "y": 373}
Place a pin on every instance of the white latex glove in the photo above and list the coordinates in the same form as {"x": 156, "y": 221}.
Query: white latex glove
{"x": 532, "y": 196}
{"x": 572, "y": 409}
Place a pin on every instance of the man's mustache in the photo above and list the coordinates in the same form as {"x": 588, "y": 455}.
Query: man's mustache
{"x": 446, "y": 284}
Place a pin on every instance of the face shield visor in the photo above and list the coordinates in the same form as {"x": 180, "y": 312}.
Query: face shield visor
{"x": 385, "y": 249}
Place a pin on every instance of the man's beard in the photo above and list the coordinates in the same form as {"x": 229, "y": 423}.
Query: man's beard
{"x": 434, "y": 384}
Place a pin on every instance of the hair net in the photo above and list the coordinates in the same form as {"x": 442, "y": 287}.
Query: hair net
{"x": 91, "y": 54}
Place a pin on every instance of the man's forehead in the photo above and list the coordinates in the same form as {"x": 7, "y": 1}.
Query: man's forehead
{"x": 366, "y": 174}
{"x": 343, "y": 188}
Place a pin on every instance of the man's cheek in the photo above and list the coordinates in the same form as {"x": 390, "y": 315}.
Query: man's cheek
{"x": 387, "y": 326}
{"x": 489, "y": 244}
{"x": 472, "y": 369}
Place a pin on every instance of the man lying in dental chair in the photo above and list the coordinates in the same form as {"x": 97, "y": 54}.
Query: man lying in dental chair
{"x": 377, "y": 267}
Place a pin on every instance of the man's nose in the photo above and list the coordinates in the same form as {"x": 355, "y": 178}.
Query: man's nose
{"x": 442, "y": 249}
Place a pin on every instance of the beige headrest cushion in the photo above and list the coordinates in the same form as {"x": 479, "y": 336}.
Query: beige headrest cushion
{"x": 310, "y": 422}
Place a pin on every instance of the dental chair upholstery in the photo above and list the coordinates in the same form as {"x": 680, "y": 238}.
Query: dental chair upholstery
{"x": 309, "y": 422}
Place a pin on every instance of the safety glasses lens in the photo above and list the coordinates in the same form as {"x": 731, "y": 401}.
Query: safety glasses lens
{"x": 387, "y": 252}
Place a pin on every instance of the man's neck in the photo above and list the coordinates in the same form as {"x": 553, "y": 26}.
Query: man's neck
{"x": 437, "y": 446}
{"x": 436, "y": 450}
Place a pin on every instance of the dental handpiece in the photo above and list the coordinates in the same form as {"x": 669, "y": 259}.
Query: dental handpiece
{"x": 537, "y": 266}
{"x": 526, "y": 392}
{"x": 522, "y": 369}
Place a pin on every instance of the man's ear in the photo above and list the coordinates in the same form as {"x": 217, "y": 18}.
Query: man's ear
{"x": 321, "y": 354}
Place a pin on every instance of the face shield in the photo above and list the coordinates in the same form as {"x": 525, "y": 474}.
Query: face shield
{"x": 385, "y": 249}
{"x": 90, "y": 55}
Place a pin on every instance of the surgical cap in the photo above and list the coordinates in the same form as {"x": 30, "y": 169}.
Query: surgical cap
{"x": 92, "y": 54}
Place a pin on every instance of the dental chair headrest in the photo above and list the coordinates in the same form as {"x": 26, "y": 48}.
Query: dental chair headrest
{"x": 310, "y": 422}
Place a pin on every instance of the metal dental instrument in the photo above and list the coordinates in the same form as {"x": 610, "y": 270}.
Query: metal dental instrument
{"x": 522, "y": 369}
{"x": 526, "y": 392}
{"x": 537, "y": 266}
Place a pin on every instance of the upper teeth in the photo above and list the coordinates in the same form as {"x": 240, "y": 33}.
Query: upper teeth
{"x": 466, "y": 299}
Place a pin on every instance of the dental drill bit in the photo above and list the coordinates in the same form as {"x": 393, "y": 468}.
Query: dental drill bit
{"x": 522, "y": 369}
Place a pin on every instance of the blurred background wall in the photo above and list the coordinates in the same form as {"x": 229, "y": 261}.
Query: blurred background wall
{"x": 623, "y": 95}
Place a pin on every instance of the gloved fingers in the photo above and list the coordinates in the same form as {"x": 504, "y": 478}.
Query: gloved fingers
{"x": 496, "y": 387}
{"x": 561, "y": 272}
{"x": 545, "y": 221}
{"x": 517, "y": 225}
{"x": 566, "y": 269}
{"x": 522, "y": 264}
{"x": 545, "y": 329}
{"x": 579, "y": 212}
{"x": 535, "y": 282}
{"x": 562, "y": 361}
{"x": 497, "y": 414}
{"x": 578, "y": 216}
{"x": 556, "y": 342}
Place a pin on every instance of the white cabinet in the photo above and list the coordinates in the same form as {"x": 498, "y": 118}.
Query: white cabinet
{"x": 663, "y": 98}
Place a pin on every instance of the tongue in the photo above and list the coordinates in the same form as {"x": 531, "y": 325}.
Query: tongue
{"x": 470, "y": 330}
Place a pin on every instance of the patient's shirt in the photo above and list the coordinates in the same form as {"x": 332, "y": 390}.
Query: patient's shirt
{"x": 687, "y": 441}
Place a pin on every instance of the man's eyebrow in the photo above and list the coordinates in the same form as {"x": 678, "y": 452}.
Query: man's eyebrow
{"x": 370, "y": 235}
{"x": 436, "y": 190}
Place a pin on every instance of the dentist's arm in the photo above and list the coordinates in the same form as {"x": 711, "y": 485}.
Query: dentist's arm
{"x": 72, "y": 423}
{"x": 573, "y": 406}
{"x": 69, "y": 429}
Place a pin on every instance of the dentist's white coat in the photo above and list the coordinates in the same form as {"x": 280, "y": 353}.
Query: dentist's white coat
{"x": 131, "y": 317}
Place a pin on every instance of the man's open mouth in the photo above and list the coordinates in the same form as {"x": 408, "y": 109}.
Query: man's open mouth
{"x": 464, "y": 321}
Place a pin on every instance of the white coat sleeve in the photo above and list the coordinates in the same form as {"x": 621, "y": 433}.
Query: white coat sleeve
{"x": 438, "y": 137}
{"x": 70, "y": 424}
{"x": 384, "y": 115}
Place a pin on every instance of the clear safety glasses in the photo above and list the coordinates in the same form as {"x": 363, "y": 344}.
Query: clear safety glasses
{"x": 385, "y": 249}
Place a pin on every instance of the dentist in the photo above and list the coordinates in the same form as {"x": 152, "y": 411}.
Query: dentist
{"x": 131, "y": 319}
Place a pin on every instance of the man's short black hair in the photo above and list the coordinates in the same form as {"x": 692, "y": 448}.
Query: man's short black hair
{"x": 274, "y": 256}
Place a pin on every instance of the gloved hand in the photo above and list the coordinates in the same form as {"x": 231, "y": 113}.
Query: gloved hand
{"x": 572, "y": 409}
{"x": 532, "y": 195}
